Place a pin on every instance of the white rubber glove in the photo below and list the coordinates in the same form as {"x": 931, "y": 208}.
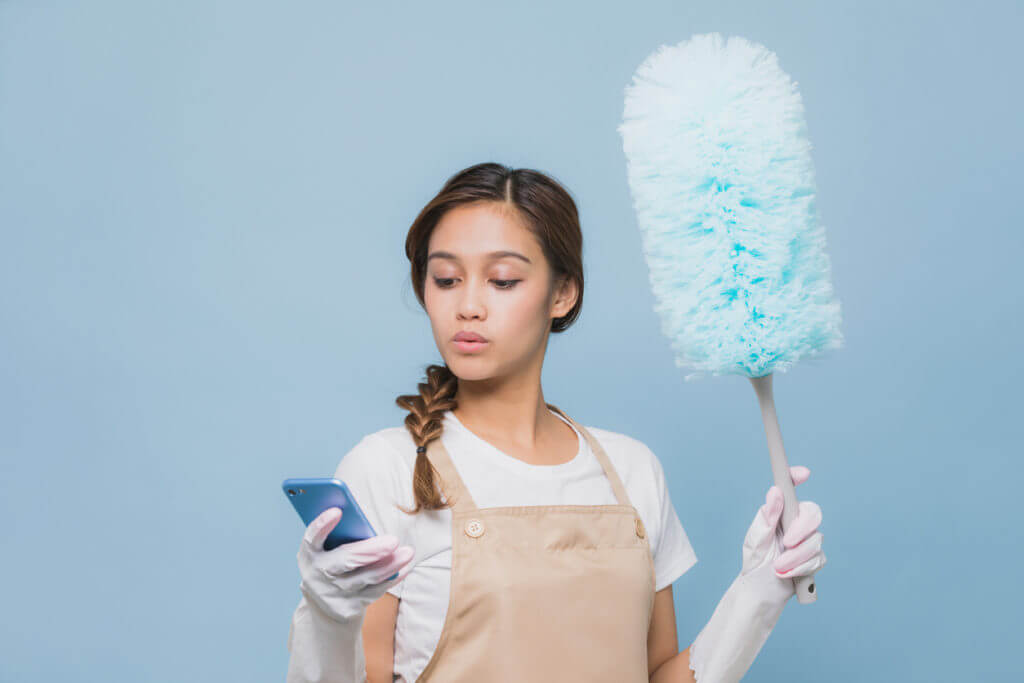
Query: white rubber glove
{"x": 726, "y": 647}
{"x": 325, "y": 639}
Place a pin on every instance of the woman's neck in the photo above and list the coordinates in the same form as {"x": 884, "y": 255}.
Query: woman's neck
{"x": 522, "y": 426}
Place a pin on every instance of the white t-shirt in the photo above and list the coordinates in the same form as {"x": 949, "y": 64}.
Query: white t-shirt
{"x": 378, "y": 470}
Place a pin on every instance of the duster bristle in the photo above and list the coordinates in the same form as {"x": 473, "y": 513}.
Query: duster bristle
{"x": 720, "y": 172}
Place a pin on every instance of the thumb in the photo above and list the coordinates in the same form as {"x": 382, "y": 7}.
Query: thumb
{"x": 757, "y": 544}
{"x": 320, "y": 528}
{"x": 772, "y": 508}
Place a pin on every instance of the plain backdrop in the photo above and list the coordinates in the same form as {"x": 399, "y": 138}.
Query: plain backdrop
{"x": 203, "y": 291}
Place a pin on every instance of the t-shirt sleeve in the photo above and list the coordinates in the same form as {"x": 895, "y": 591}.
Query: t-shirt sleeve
{"x": 673, "y": 554}
{"x": 379, "y": 479}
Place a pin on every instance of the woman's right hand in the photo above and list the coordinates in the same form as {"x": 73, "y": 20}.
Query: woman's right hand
{"x": 345, "y": 580}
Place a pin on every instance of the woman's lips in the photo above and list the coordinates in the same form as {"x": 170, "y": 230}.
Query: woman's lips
{"x": 470, "y": 346}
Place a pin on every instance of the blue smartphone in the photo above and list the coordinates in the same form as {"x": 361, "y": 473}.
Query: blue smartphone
{"x": 311, "y": 496}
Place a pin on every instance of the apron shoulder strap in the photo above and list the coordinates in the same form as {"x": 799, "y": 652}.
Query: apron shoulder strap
{"x": 602, "y": 457}
{"x": 452, "y": 486}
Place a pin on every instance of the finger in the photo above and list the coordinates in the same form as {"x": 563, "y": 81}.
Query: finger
{"x": 772, "y": 508}
{"x": 350, "y": 556}
{"x": 799, "y": 474}
{"x": 318, "y": 530}
{"x": 796, "y": 556}
{"x": 759, "y": 537}
{"x": 404, "y": 572}
{"x": 811, "y": 566}
{"x": 806, "y": 522}
{"x": 379, "y": 570}
{"x": 408, "y": 567}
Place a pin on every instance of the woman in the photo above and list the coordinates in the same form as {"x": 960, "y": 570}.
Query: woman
{"x": 532, "y": 548}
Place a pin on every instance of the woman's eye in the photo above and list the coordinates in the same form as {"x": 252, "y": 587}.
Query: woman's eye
{"x": 446, "y": 282}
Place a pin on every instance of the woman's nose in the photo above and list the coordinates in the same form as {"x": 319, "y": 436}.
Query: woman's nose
{"x": 471, "y": 303}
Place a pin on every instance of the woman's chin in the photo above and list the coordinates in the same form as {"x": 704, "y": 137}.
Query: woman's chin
{"x": 470, "y": 367}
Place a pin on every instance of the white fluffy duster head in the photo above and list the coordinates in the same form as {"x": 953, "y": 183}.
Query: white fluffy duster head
{"x": 720, "y": 172}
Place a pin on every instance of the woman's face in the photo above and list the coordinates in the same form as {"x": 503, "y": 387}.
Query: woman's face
{"x": 503, "y": 297}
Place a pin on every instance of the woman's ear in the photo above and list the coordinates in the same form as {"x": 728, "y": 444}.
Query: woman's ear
{"x": 565, "y": 296}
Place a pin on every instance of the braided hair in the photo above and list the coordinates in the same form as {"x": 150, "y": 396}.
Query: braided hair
{"x": 426, "y": 410}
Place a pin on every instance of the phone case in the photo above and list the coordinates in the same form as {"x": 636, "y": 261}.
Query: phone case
{"x": 311, "y": 496}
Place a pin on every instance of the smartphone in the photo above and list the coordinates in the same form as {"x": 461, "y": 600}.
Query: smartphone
{"x": 311, "y": 496}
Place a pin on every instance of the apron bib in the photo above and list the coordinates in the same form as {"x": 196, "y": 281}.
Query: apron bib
{"x": 544, "y": 592}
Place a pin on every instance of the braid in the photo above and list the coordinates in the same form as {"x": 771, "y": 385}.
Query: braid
{"x": 424, "y": 422}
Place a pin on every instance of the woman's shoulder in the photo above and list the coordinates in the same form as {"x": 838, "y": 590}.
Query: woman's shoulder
{"x": 391, "y": 446}
{"x": 379, "y": 479}
{"x": 624, "y": 445}
{"x": 627, "y": 453}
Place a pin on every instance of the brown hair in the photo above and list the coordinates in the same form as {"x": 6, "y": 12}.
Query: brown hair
{"x": 549, "y": 212}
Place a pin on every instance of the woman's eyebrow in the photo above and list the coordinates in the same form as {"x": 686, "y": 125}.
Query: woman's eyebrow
{"x": 491, "y": 256}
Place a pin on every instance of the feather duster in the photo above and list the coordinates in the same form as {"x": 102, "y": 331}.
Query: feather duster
{"x": 720, "y": 172}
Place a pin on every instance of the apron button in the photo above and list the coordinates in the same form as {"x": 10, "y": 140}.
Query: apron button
{"x": 639, "y": 528}
{"x": 474, "y": 528}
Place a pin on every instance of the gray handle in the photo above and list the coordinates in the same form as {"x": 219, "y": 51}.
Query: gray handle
{"x": 806, "y": 591}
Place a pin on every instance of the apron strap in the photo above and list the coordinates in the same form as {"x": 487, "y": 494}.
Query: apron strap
{"x": 452, "y": 487}
{"x": 602, "y": 457}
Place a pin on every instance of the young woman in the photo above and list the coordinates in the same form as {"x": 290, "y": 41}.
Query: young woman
{"x": 528, "y": 546}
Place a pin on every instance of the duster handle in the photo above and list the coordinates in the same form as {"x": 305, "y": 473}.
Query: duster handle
{"x": 806, "y": 592}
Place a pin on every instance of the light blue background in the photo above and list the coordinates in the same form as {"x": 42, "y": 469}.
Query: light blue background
{"x": 204, "y": 291}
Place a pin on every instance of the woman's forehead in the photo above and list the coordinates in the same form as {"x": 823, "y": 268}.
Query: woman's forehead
{"x": 479, "y": 234}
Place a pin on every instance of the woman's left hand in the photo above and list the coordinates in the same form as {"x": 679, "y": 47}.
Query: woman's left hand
{"x": 797, "y": 552}
{"x": 751, "y": 606}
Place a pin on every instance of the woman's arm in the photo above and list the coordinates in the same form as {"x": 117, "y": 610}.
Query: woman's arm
{"x": 323, "y": 650}
{"x": 379, "y": 639}
{"x": 675, "y": 670}
{"x": 665, "y": 664}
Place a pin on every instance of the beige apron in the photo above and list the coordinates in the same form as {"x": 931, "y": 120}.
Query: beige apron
{"x": 545, "y": 592}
